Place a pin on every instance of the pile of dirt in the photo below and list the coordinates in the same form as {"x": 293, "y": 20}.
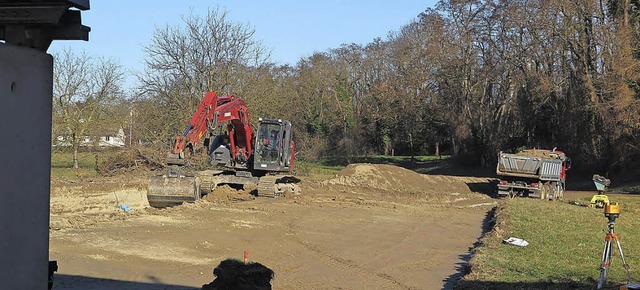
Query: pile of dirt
{"x": 538, "y": 153}
{"x": 401, "y": 180}
{"x": 379, "y": 176}
{"x": 226, "y": 194}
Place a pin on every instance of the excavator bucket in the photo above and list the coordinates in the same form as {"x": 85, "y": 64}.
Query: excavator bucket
{"x": 171, "y": 191}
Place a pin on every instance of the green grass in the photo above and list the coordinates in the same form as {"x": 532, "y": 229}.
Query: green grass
{"x": 565, "y": 245}
{"x": 317, "y": 171}
{"x": 62, "y": 164}
{"x": 380, "y": 159}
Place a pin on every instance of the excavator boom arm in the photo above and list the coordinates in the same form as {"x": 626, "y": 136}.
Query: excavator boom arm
{"x": 215, "y": 110}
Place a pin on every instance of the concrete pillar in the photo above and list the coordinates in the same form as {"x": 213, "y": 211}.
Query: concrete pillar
{"x": 25, "y": 162}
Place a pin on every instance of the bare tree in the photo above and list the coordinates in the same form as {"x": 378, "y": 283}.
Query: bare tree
{"x": 84, "y": 91}
{"x": 209, "y": 53}
{"x": 472, "y": 76}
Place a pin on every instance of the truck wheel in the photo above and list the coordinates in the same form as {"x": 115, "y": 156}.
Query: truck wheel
{"x": 560, "y": 193}
{"x": 544, "y": 191}
{"x": 554, "y": 193}
{"x": 553, "y": 189}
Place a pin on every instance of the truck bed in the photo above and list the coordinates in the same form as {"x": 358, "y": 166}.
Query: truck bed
{"x": 519, "y": 165}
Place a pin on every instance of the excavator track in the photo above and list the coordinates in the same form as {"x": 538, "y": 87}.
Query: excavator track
{"x": 267, "y": 186}
{"x": 277, "y": 186}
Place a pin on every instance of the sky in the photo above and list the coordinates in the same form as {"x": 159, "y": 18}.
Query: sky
{"x": 289, "y": 29}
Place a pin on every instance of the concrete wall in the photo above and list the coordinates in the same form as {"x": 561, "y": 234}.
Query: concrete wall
{"x": 25, "y": 162}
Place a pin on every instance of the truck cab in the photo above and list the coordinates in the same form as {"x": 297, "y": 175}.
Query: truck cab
{"x": 274, "y": 148}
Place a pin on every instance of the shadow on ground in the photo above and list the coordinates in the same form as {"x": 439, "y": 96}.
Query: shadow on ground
{"x": 487, "y": 188}
{"x": 62, "y": 281}
{"x": 481, "y": 285}
{"x": 462, "y": 266}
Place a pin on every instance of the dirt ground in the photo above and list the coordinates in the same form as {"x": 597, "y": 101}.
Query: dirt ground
{"x": 370, "y": 227}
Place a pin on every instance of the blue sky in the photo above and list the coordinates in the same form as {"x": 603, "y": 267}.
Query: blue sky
{"x": 290, "y": 29}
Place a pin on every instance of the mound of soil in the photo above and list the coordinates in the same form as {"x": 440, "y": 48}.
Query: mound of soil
{"x": 379, "y": 176}
{"x": 226, "y": 193}
{"x": 397, "y": 179}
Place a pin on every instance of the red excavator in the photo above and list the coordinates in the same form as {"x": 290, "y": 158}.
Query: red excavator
{"x": 237, "y": 157}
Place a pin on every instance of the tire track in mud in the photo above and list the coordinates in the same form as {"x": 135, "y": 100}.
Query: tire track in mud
{"x": 293, "y": 283}
{"x": 347, "y": 266}
{"x": 378, "y": 279}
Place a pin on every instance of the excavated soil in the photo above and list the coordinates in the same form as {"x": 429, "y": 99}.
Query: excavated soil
{"x": 401, "y": 182}
{"x": 369, "y": 227}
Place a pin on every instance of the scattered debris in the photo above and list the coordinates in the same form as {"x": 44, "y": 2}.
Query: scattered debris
{"x": 516, "y": 242}
{"x": 634, "y": 286}
{"x": 131, "y": 159}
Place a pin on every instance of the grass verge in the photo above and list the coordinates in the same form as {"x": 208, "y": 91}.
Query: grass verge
{"x": 404, "y": 161}
{"x": 62, "y": 164}
{"x": 564, "y": 251}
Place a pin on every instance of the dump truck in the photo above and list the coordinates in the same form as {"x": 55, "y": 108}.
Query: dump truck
{"x": 537, "y": 173}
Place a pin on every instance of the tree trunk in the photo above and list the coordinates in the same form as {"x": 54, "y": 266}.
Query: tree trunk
{"x": 75, "y": 157}
{"x": 75, "y": 144}
{"x": 438, "y": 149}
{"x": 411, "y": 146}
{"x": 454, "y": 145}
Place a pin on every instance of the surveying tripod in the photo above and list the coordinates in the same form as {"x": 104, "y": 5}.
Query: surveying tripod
{"x": 612, "y": 212}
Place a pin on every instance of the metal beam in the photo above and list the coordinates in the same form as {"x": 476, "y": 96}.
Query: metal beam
{"x": 36, "y": 23}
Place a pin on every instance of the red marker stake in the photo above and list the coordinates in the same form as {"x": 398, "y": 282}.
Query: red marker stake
{"x": 246, "y": 256}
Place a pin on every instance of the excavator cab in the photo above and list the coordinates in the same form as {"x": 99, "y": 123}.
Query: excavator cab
{"x": 273, "y": 148}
